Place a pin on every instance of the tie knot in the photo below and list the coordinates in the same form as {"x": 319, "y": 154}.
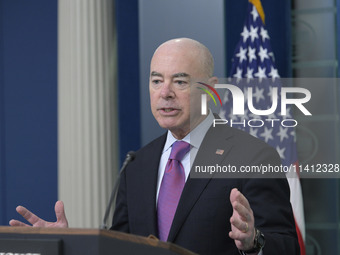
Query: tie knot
{"x": 179, "y": 149}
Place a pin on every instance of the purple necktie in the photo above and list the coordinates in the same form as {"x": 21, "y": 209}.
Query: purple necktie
{"x": 171, "y": 188}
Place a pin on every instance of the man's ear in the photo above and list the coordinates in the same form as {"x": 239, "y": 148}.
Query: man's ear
{"x": 212, "y": 81}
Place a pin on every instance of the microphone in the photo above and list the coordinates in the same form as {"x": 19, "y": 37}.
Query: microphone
{"x": 130, "y": 156}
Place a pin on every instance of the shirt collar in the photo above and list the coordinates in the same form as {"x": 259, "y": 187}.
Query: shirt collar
{"x": 195, "y": 137}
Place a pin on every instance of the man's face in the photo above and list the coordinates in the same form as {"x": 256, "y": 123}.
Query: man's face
{"x": 173, "y": 74}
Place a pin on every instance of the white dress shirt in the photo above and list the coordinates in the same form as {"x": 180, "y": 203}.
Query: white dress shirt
{"x": 197, "y": 136}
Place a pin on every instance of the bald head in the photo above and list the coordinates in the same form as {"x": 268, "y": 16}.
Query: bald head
{"x": 192, "y": 49}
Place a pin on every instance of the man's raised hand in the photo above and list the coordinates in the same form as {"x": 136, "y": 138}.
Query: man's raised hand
{"x": 242, "y": 221}
{"x": 38, "y": 222}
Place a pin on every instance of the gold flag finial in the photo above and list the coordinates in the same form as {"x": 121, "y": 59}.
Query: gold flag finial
{"x": 258, "y": 6}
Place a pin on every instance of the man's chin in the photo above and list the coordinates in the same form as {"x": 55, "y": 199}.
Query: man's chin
{"x": 169, "y": 126}
{"x": 168, "y": 122}
{"x": 177, "y": 130}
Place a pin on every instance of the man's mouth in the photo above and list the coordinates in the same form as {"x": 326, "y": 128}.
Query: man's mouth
{"x": 169, "y": 110}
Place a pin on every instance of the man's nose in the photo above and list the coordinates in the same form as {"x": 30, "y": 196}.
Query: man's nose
{"x": 167, "y": 90}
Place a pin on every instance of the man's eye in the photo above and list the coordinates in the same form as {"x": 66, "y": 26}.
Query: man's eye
{"x": 181, "y": 82}
{"x": 156, "y": 81}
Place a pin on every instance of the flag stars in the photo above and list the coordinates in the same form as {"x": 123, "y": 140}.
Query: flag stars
{"x": 293, "y": 134}
{"x": 238, "y": 74}
{"x": 282, "y": 133}
{"x": 258, "y": 94}
{"x": 272, "y": 116}
{"x": 263, "y": 53}
{"x": 270, "y": 92}
{"x": 249, "y": 74}
{"x": 288, "y": 115}
{"x": 251, "y": 54}
{"x": 245, "y": 116}
{"x": 271, "y": 54}
{"x": 253, "y": 33}
{"x": 226, "y": 97}
{"x": 273, "y": 73}
{"x": 267, "y": 134}
{"x": 281, "y": 151}
{"x": 252, "y": 60}
{"x": 261, "y": 73}
{"x": 253, "y": 132}
{"x": 264, "y": 34}
{"x": 242, "y": 54}
{"x": 288, "y": 112}
{"x": 245, "y": 34}
{"x": 254, "y": 13}
{"x": 254, "y": 116}
{"x": 232, "y": 116}
{"x": 222, "y": 112}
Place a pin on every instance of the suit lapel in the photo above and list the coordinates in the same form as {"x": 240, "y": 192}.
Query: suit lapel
{"x": 215, "y": 139}
{"x": 148, "y": 184}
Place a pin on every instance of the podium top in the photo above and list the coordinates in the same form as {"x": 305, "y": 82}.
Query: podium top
{"x": 95, "y": 232}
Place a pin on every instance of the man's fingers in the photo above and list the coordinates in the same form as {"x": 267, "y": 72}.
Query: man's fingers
{"x": 242, "y": 226}
{"x": 241, "y": 206}
{"x": 243, "y": 241}
{"x": 28, "y": 215}
{"x": 243, "y": 233}
{"x": 242, "y": 221}
{"x": 38, "y": 222}
{"x": 16, "y": 223}
{"x": 236, "y": 195}
{"x": 236, "y": 236}
{"x": 59, "y": 210}
{"x": 242, "y": 211}
{"x": 60, "y": 213}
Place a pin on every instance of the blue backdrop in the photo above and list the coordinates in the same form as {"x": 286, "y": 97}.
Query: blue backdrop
{"x": 128, "y": 76}
{"x": 28, "y": 108}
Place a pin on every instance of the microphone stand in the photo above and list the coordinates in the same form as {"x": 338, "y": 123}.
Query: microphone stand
{"x": 129, "y": 157}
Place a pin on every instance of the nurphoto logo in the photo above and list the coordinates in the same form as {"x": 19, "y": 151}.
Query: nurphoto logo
{"x": 242, "y": 100}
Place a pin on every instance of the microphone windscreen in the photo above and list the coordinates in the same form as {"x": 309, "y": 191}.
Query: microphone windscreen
{"x": 132, "y": 155}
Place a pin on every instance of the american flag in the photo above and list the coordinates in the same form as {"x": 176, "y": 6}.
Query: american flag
{"x": 253, "y": 66}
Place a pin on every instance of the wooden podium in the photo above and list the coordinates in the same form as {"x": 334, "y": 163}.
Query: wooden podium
{"x": 70, "y": 241}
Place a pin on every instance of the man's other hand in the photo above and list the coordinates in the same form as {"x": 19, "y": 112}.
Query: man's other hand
{"x": 38, "y": 222}
{"x": 242, "y": 221}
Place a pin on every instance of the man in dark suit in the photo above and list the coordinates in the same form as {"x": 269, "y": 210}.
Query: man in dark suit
{"x": 206, "y": 215}
{"x": 214, "y": 215}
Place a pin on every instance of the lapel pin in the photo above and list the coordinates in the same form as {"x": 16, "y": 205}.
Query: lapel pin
{"x": 219, "y": 151}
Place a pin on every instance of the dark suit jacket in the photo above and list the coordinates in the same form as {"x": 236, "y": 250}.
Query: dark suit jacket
{"x": 201, "y": 222}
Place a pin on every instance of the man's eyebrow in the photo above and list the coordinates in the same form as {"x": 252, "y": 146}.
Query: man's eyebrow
{"x": 153, "y": 73}
{"x": 176, "y": 75}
